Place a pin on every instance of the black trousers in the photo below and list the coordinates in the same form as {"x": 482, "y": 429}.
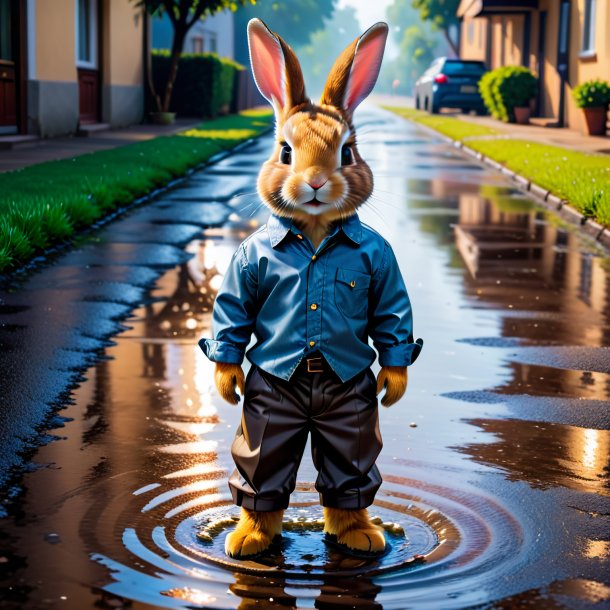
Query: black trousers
{"x": 277, "y": 417}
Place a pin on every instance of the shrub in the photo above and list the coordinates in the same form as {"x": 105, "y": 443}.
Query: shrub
{"x": 592, "y": 94}
{"x": 505, "y": 88}
{"x": 205, "y": 84}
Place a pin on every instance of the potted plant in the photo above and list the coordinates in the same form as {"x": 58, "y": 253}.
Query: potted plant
{"x": 507, "y": 92}
{"x": 593, "y": 96}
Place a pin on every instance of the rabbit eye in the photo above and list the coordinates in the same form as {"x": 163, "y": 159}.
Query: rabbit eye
{"x": 347, "y": 156}
{"x": 286, "y": 155}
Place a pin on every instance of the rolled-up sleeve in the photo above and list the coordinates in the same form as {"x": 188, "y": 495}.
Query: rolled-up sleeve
{"x": 390, "y": 315}
{"x": 234, "y": 313}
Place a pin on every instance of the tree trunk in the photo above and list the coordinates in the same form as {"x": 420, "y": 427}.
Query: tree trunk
{"x": 451, "y": 43}
{"x": 177, "y": 44}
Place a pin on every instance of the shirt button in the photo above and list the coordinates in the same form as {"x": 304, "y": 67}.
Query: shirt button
{"x": 313, "y": 258}
{"x": 313, "y": 306}
{"x": 312, "y": 343}
{"x": 299, "y": 236}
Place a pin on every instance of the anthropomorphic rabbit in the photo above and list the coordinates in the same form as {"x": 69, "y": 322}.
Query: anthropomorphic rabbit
{"x": 313, "y": 285}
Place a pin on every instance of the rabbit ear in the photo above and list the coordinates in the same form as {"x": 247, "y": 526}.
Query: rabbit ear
{"x": 276, "y": 69}
{"x": 356, "y": 70}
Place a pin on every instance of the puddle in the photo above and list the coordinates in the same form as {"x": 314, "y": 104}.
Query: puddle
{"x": 495, "y": 463}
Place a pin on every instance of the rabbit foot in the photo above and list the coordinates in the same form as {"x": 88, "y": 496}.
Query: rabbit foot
{"x": 254, "y": 533}
{"x": 353, "y": 529}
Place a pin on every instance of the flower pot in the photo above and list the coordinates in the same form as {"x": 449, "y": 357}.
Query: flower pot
{"x": 522, "y": 114}
{"x": 163, "y": 118}
{"x": 595, "y": 120}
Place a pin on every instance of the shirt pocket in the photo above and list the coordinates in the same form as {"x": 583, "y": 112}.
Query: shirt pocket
{"x": 351, "y": 292}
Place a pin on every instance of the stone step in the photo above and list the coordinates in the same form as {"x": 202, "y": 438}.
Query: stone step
{"x": 18, "y": 141}
{"x": 89, "y": 129}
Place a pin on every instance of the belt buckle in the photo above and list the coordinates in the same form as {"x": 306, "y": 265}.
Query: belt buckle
{"x": 314, "y": 365}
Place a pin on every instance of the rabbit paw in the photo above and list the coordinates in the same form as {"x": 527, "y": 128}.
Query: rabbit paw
{"x": 254, "y": 533}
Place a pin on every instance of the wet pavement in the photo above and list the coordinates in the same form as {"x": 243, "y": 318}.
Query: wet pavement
{"x": 496, "y": 463}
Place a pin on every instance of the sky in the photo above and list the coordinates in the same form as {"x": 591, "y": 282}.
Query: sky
{"x": 368, "y": 13}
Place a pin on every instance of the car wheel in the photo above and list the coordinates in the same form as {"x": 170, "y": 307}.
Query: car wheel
{"x": 481, "y": 111}
{"x": 417, "y": 104}
{"x": 434, "y": 109}
{"x": 426, "y": 104}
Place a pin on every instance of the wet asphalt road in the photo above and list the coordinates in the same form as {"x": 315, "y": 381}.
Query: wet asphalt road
{"x": 496, "y": 463}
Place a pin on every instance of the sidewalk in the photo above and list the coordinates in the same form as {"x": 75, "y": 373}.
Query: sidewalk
{"x": 556, "y": 136}
{"x": 51, "y": 149}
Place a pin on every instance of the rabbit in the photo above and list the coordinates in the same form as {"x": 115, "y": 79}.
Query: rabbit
{"x": 313, "y": 183}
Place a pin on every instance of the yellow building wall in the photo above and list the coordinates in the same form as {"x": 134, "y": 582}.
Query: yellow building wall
{"x": 474, "y": 39}
{"x": 123, "y": 25}
{"x": 581, "y": 68}
{"x": 55, "y": 40}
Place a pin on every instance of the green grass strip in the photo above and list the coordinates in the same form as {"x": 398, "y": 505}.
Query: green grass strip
{"x": 453, "y": 128}
{"x": 47, "y": 203}
{"x": 582, "y": 179}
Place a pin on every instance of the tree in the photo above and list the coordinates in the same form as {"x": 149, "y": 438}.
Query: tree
{"x": 183, "y": 15}
{"x": 294, "y": 20}
{"x": 442, "y": 13}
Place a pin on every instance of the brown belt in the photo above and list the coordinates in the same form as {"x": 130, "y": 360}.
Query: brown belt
{"x": 314, "y": 364}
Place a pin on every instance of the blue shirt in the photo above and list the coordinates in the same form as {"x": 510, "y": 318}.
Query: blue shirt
{"x": 298, "y": 300}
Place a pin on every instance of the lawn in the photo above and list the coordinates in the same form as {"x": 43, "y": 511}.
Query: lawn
{"x": 580, "y": 178}
{"x": 48, "y": 203}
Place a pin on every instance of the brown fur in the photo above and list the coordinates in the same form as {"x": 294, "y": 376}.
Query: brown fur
{"x": 394, "y": 379}
{"x": 254, "y": 532}
{"x": 226, "y": 378}
{"x": 354, "y": 529}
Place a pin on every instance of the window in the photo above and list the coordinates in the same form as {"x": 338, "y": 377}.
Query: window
{"x": 6, "y": 43}
{"x": 470, "y": 31}
{"x": 213, "y": 44}
{"x": 197, "y": 44}
{"x": 588, "y": 29}
{"x": 86, "y": 55}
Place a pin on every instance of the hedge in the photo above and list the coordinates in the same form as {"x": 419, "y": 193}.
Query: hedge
{"x": 204, "y": 86}
{"x": 506, "y": 88}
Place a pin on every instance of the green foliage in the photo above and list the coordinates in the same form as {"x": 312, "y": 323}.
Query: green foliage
{"x": 419, "y": 43}
{"x": 580, "y": 178}
{"x": 442, "y": 13}
{"x": 506, "y": 88}
{"x": 592, "y": 94}
{"x": 83, "y": 189}
{"x": 205, "y": 83}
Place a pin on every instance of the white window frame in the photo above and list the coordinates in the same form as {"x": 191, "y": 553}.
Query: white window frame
{"x": 92, "y": 38}
{"x": 588, "y": 26}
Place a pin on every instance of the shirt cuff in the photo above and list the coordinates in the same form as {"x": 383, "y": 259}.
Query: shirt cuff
{"x": 400, "y": 355}
{"x": 221, "y": 351}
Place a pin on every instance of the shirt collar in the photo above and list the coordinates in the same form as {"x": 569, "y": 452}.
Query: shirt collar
{"x": 280, "y": 226}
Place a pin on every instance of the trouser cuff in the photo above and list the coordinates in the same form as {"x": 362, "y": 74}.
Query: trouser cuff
{"x": 261, "y": 505}
{"x": 354, "y": 501}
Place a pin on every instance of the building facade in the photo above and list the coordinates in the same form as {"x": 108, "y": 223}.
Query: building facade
{"x": 68, "y": 63}
{"x": 564, "y": 42}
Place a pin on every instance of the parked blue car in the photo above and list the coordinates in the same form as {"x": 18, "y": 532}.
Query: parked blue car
{"x": 451, "y": 83}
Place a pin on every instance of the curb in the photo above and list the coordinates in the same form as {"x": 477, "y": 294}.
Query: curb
{"x": 541, "y": 195}
{"x": 49, "y": 253}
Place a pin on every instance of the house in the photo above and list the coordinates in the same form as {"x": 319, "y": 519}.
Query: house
{"x": 211, "y": 35}
{"x": 68, "y": 64}
{"x": 564, "y": 42}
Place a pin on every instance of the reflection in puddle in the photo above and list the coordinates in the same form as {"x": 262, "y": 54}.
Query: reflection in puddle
{"x": 547, "y": 454}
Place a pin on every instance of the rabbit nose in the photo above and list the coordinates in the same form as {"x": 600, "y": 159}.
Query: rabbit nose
{"x": 316, "y": 184}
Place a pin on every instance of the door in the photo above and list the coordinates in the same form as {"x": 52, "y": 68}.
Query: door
{"x": 87, "y": 60}
{"x": 563, "y": 55}
{"x": 8, "y": 68}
